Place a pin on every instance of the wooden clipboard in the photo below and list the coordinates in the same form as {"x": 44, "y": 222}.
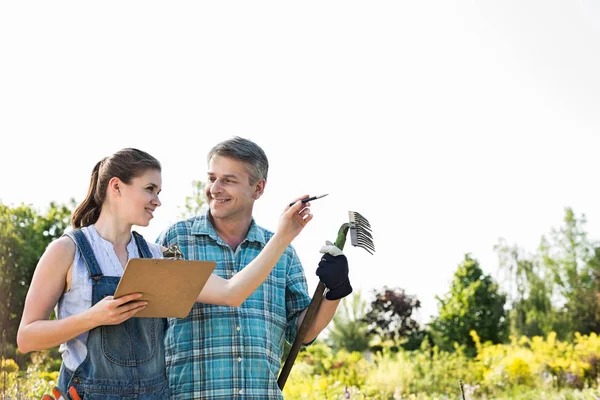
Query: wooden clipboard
{"x": 170, "y": 286}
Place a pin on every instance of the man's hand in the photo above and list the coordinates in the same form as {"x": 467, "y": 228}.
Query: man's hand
{"x": 294, "y": 219}
{"x": 333, "y": 272}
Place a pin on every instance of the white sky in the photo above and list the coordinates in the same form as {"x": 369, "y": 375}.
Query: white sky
{"x": 446, "y": 124}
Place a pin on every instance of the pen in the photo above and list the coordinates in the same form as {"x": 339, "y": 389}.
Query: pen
{"x": 311, "y": 198}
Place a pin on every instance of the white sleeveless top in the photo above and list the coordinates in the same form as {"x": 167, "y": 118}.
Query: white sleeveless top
{"x": 79, "y": 296}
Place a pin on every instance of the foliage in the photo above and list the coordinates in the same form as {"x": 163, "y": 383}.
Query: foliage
{"x": 195, "y": 203}
{"x": 24, "y": 235}
{"x": 347, "y": 329}
{"x": 557, "y": 288}
{"x": 473, "y": 303}
{"x": 529, "y": 292}
{"x": 522, "y": 369}
{"x": 573, "y": 263}
{"x": 38, "y": 378}
{"x": 390, "y": 314}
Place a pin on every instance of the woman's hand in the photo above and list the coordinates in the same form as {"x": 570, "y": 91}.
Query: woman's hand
{"x": 111, "y": 311}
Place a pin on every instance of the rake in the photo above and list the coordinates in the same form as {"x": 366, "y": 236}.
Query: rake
{"x": 360, "y": 236}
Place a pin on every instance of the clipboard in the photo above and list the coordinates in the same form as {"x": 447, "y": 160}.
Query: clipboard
{"x": 171, "y": 286}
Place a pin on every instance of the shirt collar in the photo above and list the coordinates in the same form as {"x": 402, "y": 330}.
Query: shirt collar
{"x": 203, "y": 226}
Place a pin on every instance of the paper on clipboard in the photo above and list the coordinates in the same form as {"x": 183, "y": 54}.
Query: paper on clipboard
{"x": 170, "y": 286}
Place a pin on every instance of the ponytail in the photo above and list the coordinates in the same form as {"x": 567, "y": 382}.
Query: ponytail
{"x": 88, "y": 211}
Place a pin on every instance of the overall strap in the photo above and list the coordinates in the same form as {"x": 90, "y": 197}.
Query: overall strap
{"x": 142, "y": 246}
{"x": 87, "y": 253}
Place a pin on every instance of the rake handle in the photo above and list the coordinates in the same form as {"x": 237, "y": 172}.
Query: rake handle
{"x": 311, "y": 311}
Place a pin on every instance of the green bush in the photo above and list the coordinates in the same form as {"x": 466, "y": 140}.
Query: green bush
{"x": 525, "y": 368}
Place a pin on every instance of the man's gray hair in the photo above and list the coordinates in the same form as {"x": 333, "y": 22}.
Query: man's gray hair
{"x": 246, "y": 151}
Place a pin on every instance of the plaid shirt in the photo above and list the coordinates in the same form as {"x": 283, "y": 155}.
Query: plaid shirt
{"x": 220, "y": 352}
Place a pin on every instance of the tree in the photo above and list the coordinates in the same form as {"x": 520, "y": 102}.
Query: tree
{"x": 573, "y": 263}
{"x": 557, "y": 288}
{"x": 348, "y": 330}
{"x": 24, "y": 235}
{"x": 529, "y": 292}
{"x": 390, "y": 315}
{"x": 195, "y": 203}
{"x": 473, "y": 303}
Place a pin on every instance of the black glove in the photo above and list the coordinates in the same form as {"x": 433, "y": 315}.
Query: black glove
{"x": 333, "y": 272}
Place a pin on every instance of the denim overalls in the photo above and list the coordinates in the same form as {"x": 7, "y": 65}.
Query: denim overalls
{"x": 124, "y": 361}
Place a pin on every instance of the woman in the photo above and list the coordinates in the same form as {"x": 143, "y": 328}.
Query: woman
{"x": 107, "y": 354}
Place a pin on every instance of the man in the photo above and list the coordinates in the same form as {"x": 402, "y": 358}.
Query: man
{"x": 229, "y": 353}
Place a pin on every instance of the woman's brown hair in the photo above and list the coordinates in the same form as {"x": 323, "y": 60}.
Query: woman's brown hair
{"x": 125, "y": 164}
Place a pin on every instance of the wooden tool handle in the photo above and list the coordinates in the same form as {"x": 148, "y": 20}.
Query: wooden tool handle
{"x": 311, "y": 311}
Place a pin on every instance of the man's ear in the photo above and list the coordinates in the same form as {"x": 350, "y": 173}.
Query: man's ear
{"x": 259, "y": 188}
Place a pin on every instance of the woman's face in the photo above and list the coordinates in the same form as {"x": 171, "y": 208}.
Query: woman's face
{"x": 139, "y": 198}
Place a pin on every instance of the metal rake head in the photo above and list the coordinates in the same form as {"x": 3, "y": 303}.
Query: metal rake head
{"x": 360, "y": 232}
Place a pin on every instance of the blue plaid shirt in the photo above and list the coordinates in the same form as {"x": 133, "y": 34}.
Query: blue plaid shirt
{"x": 220, "y": 352}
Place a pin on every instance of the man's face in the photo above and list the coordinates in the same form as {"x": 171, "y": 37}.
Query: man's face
{"x": 228, "y": 190}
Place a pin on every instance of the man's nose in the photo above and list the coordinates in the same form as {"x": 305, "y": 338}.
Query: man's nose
{"x": 216, "y": 186}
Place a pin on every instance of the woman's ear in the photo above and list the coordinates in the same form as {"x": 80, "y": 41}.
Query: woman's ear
{"x": 114, "y": 186}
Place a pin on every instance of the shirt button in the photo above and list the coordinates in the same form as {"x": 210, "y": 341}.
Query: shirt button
{"x": 238, "y": 328}
{"x": 241, "y": 391}
{"x": 239, "y": 359}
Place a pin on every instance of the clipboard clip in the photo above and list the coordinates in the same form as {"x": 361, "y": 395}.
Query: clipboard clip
{"x": 173, "y": 252}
